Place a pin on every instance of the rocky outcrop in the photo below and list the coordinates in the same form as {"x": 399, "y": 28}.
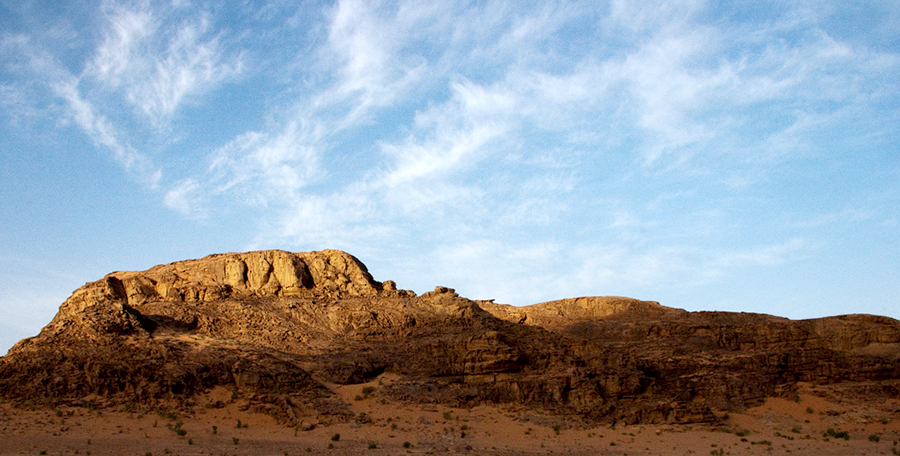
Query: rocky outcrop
{"x": 276, "y": 327}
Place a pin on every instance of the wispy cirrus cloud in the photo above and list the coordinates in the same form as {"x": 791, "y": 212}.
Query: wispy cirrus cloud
{"x": 104, "y": 134}
{"x": 158, "y": 61}
{"x": 620, "y": 136}
{"x": 36, "y": 62}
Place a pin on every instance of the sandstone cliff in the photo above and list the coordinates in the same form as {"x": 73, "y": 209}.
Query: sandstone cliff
{"x": 275, "y": 328}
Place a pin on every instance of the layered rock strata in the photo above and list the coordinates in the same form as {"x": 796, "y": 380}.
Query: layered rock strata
{"x": 275, "y": 328}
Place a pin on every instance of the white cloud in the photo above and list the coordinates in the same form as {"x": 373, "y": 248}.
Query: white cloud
{"x": 184, "y": 198}
{"x": 158, "y": 62}
{"x": 268, "y": 166}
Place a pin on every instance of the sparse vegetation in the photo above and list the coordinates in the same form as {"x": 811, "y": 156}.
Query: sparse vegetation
{"x": 874, "y": 438}
{"x": 742, "y": 433}
{"x": 176, "y": 428}
{"x": 556, "y": 429}
{"x": 762, "y": 442}
{"x": 796, "y": 429}
{"x": 235, "y": 440}
{"x": 838, "y": 434}
{"x": 335, "y": 437}
{"x": 407, "y": 445}
{"x": 372, "y": 445}
{"x": 810, "y": 410}
{"x": 448, "y": 416}
{"x": 215, "y": 429}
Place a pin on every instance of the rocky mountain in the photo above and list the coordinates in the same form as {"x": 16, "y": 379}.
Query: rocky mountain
{"x": 276, "y": 328}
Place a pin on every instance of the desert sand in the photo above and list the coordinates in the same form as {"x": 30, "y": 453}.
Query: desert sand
{"x": 780, "y": 426}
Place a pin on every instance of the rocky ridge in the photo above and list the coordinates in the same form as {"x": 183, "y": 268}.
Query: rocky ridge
{"x": 274, "y": 329}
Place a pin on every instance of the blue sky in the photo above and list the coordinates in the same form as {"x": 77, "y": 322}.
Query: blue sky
{"x": 707, "y": 155}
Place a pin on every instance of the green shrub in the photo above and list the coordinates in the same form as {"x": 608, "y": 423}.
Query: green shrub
{"x": 372, "y": 446}
{"x": 837, "y": 434}
{"x": 335, "y": 437}
{"x": 874, "y": 437}
{"x": 407, "y": 445}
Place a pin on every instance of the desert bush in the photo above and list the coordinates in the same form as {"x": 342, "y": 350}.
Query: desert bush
{"x": 838, "y": 434}
{"x": 372, "y": 446}
{"x": 177, "y": 428}
{"x": 335, "y": 437}
{"x": 874, "y": 437}
{"x": 407, "y": 445}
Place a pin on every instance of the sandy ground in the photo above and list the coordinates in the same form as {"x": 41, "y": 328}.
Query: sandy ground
{"x": 779, "y": 427}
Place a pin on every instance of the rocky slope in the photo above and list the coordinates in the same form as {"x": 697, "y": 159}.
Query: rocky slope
{"x": 275, "y": 328}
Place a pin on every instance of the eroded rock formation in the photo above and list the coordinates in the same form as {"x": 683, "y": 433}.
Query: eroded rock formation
{"x": 275, "y": 328}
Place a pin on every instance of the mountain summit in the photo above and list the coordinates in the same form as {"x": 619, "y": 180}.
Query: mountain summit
{"x": 274, "y": 330}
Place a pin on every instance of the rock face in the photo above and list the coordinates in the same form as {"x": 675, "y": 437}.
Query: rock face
{"x": 274, "y": 328}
